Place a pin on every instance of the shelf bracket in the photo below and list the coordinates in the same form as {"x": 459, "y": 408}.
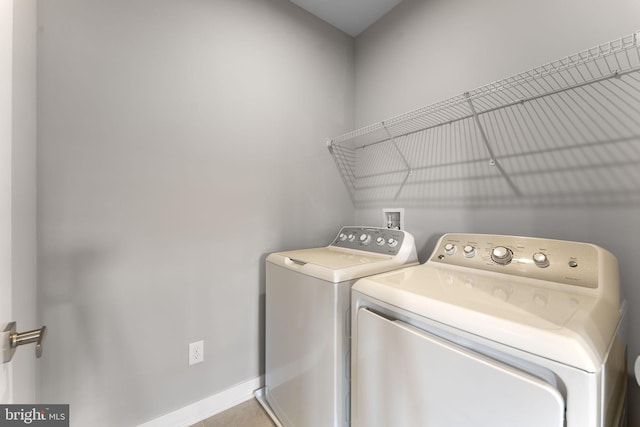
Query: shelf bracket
{"x": 404, "y": 160}
{"x": 492, "y": 158}
{"x": 346, "y": 171}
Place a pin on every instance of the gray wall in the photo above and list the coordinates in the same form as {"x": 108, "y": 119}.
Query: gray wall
{"x": 426, "y": 51}
{"x": 423, "y": 51}
{"x": 179, "y": 143}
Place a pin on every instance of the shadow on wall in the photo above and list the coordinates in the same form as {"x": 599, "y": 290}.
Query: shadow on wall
{"x": 633, "y": 402}
{"x": 563, "y": 134}
{"x": 424, "y": 251}
{"x": 90, "y": 358}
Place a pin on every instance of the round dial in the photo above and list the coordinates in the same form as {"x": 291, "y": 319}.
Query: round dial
{"x": 380, "y": 241}
{"x": 392, "y": 242}
{"x": 450, "y": 249}
{"x": 469, "y": 251}
{"x": 541, "y": 260}
{"x": 501, "y": 255}
{"x": 365, "y": 238}
{"x": 351, "y": 237}
{"x": 342, "y": 237}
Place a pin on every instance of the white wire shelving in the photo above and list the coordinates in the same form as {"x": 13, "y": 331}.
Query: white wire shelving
{"x": 565, "y": 133}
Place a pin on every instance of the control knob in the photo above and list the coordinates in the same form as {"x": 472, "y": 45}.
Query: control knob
{"x": 541, "y": 260}
{"x": 469, "y": 251}
{"x": 342, "y": 237}
{"x": 365, "y": 239}
{"x": 392, "y": 242}
{"x": 501, "y": 255}
{"x": 380, "y": 241}
{"x": 450, "y": 249}
{"x": 351, "y": 237}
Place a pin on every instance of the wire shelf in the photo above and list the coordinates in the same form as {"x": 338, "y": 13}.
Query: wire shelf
{"x": 565, "y": 133}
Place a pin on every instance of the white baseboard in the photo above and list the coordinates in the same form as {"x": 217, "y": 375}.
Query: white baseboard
{"x": 207, "y": 407}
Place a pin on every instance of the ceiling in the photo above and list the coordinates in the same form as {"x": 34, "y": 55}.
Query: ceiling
{"x": 350, "y": 16}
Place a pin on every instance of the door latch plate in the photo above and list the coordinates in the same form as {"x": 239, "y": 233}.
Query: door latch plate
{"x": 7, "y": 349}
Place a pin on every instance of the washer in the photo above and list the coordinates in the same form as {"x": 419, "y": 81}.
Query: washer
{"x": 307, "y": 337}
{"x": 491, "y": 331}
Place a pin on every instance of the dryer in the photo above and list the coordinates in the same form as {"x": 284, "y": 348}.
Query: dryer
{"x": 491, "y": 331}
{"x": 307, "y": 337}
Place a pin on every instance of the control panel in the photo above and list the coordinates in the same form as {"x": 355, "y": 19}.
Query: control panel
{"x": 371, "y": 239}
{"x": 559, "y": 261}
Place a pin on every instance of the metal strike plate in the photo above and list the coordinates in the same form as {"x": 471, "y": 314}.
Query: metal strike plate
{"x": 7, "y": 349}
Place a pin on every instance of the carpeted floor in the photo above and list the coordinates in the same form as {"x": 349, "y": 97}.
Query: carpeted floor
{"x": 247, "y": 414}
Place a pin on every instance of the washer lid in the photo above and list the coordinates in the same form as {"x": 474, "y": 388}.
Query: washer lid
{"x": 336, "y": 264}
{"x": 570, "y": 325}
{"x": 334, "y": 259}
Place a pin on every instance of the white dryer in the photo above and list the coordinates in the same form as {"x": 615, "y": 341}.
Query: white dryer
{"x": 307, "y": 337}
{"x": 491, "y": 331}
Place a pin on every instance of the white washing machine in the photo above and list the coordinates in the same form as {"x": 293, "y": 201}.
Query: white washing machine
{"x": 307, "y": 337}
{"x": 491, "y": 331}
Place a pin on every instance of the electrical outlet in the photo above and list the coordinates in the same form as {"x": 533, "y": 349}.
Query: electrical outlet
{"x": 196, "y": 352}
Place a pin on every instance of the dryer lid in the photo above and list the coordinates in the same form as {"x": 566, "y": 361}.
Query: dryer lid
{"x": 570, "y": 325}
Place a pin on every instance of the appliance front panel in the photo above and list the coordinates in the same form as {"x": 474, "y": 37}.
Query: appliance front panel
{"x": 306, "y": 359}
{"x": 405, "y": 376}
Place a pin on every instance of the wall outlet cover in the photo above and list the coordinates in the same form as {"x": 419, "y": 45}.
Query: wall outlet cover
{"x": 196, "y": 352}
